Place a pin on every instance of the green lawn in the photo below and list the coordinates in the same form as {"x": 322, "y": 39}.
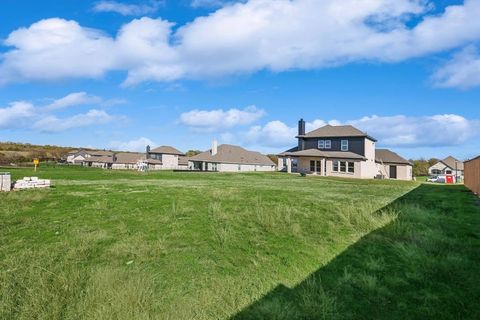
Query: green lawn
{"x": 163, "y": 245}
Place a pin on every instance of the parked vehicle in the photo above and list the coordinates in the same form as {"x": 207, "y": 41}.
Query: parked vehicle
{"x": 432, "y": 179}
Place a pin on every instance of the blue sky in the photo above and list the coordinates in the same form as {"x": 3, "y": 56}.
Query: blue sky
{"x": 121, "y": 74}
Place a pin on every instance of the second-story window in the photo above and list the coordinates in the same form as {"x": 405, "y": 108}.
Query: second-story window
{"x": 324, "y": 144}
{"x": 344, "y": 145}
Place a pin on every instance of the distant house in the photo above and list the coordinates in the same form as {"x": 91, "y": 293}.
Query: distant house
{"x": 392, "y": 166}
{"x": 104, "y": 162}
{"x": 342, "y": 151}
{"x": 230, "y": 158}
{"x": 447, "y": 166}
{"x": 76, "y": 156}
{"x": 167, "y": 155}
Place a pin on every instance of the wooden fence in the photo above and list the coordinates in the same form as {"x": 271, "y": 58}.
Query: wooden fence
{"x": 472, "y": 175}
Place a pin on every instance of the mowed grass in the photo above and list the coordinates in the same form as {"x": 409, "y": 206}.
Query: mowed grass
{"x": 108, "y": 244}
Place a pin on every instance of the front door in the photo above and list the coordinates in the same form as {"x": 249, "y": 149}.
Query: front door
{"x": 393, "y": 172}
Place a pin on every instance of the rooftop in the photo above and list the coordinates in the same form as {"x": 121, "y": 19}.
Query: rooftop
{"x": 233, "y": 154}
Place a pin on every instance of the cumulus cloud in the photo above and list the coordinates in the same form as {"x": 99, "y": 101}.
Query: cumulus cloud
{"x": 52, "y": 123}
{"x": 16, "y": 114}
{"x": 390, "y": 131}
{"x": 219, "y": 119}
{"x": 273, "y": 134}
{"x": 463, "y": 71}
{"x": 25, "y": 115}
{"x": 241, "y": 38}
{"x": 127, "y": 9}
{"x": 138, "y": 145}
{"x": 73, "y": 99}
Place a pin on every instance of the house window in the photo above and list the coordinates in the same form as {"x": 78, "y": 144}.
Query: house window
{"x": 239, "y": 167}
{"x": 321, "y": 144}
{"x": 328, "y": 144}
{"x": 312, "y": 166}
{"x": 335, "y": 166}
{"x": 343, "y": 166}
{"x": 449, "y": 172}
{"x": 351, "y": 167}
{"x": 344, "y": 145}
{"x": 436, "y": 171}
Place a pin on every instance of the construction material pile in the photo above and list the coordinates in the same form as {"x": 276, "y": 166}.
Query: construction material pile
{"x": 31, "y": 182}
{"x": 5, "y": 181}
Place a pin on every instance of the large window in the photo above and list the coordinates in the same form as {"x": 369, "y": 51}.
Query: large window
{"x": 344, "y": 145}
{"x": 335, "y": 166}
{"x": 315, "y": 166}
{"x": 343, "y": 166}
{"x": 351, "y": 167}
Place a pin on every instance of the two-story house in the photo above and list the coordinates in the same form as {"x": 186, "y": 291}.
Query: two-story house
{"x": 342, "y": 151}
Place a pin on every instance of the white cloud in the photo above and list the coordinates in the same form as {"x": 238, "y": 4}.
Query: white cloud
{"x": 24, "y": 115}
{"x": 16, "y": 114}
{"x": 241, "y": 38}
{"x": 128, "y": 9}
{"x": 463, "y": 71}
{"x": 390, "y": 131}
{"x": 138, "y": 145}
{"x": 73, "y": 99}
{"x": 273, "y": 134}
{"x": 52, "y": 123}
{"x": 216, "y": 120}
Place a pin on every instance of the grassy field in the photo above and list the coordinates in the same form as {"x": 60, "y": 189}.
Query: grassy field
{"x": 163, "y": 245}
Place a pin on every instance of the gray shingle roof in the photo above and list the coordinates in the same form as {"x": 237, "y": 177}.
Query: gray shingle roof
{"x": 167, "y": 150}
{"x": 233, "y": 154}
{"x": 330, "y": 131}
{"x": 450, "y": 162}
{"x": 387, "y": 156}
{"x": 100, "y": 159}
{"x": 129, "y": 157}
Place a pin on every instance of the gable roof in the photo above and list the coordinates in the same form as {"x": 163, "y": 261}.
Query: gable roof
{"x": 388, "y": 156}
{"x": 450, "y": 162}
{"x": 330, "y": 131}
{"x": 227, "y": 153}
{"x": 167, "y": 150}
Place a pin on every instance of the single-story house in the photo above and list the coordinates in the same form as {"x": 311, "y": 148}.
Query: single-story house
{"x": 340, "y": 151}
{"x": 230, "y": 158}
{"x": 392, "y": 166}
{"x": 99, "y": 162}
{"x": 168, "y": 156}
{"x": 448, "y": 166}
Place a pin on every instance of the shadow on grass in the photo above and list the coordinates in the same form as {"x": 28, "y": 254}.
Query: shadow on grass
{"x": 424, "y": 265}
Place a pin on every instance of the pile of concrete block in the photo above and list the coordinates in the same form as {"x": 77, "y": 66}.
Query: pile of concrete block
{"x": 5, "y": 181}
{"x": 31, "y": 182}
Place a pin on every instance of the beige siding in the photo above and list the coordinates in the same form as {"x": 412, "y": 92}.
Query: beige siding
{"x": 369, "y": 167}
{"x": 404, "y": 172}
{"x": 169, "y": 161}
